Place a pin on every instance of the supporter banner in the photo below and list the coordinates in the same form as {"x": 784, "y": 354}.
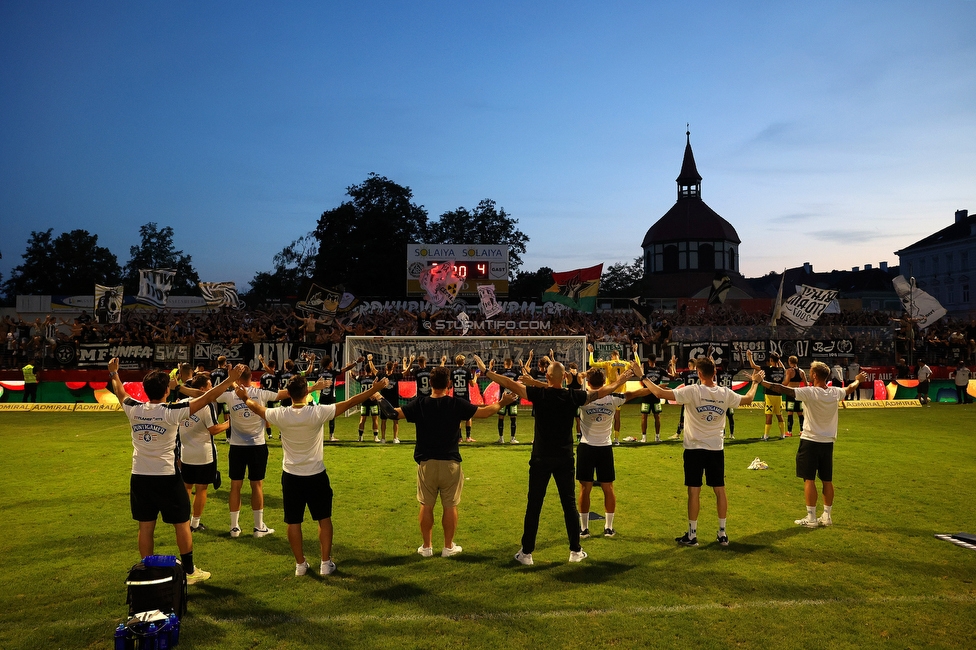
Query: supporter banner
{"x": 93, "y": 355}
{"x": 790, "y": 348}
{"x": 210, "y": 351}
{"x": 804, "y": 307}
{"x": 577, "y": 289}
{"x": 603, "y": 349}
{"x": 489, "y": 304}
{"x": 832, "y": 349}
{"x": 154, "y": 286}
{"x": 172, "y": 353}
{"x": 441, "y": 283}
{"x": 718, "y": 351}
{"x": 108, "y": 304}
{"x": 220, "y": 294}
{"x": 738, "y": 349}
{"x": 921, "y": 306}
{"x": 131, "y": 357}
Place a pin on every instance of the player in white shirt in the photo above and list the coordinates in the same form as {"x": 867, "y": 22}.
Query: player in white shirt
{"x": 198, "y": 454}
{"x": 248, "y": 453}
{"x": 705, "y": 405}
{"x": 594, "y": 453}
{"x": 815, "y": 455}
{"x": 156, "y": 486}
{"x": 924, "y": 380}
{"x": 304, "y": 481}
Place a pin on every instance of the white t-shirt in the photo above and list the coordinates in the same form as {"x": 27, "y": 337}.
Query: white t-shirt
{"x": 705, "y": 409}
{"x": 196, "y": 443}
{"x": 154, "y": 428}
{"x": 924, "y": 373}
{"x": 301, "y": 436}
{"x": 246, "y": 428}
{"x": 596, "y": 420}
{"x": 820, "y": 412}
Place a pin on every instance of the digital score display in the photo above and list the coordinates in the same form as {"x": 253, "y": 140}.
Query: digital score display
{"x": 474, "y": 263}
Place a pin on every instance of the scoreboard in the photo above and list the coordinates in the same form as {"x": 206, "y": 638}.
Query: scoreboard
{"x": 474, "y": 263}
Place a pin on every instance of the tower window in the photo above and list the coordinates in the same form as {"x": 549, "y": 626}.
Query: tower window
{"x": 706, "y": 257}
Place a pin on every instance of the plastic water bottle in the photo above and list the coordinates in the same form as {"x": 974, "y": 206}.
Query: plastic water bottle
{"x": 162, "y": 636}
{"x": 152, "y": 636}
{"x": 174, "y": 630}
{"x": 120, "y": 637}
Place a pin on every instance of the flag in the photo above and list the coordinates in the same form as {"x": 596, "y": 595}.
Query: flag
{"x": 577, "y": 289}
{"x": 920, "y": 306}
{"x": 108, "y": 304}
{"x": 778, "y": 305}
{"x": 720, "y": 289}
{"x": 154, "y": 286}
{"x": 220, "y": 294}
{"x": 489, "y": 303}
{"x": 441, "y": 283}
{"x": 805, "y": 306}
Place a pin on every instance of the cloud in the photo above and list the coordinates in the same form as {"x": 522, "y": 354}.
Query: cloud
{"x": 842, "y": 236}
{"x": 796, "y": 216}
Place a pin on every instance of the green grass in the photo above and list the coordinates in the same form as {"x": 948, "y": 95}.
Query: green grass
{"x": 876, "y": 578}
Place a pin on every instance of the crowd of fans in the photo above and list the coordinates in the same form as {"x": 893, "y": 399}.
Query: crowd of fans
{"x": 877, "y": 335}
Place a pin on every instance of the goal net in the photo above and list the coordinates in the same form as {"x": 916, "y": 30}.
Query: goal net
{"x": 565, "y": 349}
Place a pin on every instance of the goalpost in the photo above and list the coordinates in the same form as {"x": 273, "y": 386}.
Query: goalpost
{"x": 565, "y": 349}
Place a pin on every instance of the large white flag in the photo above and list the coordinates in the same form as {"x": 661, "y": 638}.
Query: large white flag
{"x": 805, "y": 306}
{"x": 154, "y": 286}
{"x": 220, "y": 294}
{"x": 921, "y": 306}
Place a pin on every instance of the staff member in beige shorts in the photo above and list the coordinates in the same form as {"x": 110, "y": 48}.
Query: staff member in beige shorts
{"x": 439, "y": 461}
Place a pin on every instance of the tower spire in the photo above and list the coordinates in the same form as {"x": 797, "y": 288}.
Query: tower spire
{"x": 689, "y": 180}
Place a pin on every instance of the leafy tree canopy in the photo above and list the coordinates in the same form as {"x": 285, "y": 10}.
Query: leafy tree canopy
{"x": 622, "y": 280}
{"x": 362, "y": 243}
{"x": 69, "y": 264}
{"x": 157, "y": 251}
{"x": 529, "y": 285}
{"x": 485, "y": 224}
{"x": 292, "y": 274}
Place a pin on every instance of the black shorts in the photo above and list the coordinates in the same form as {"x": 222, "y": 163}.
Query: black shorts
{"x": 651, "y": 407}
{"x": 150, "y": 496}
{"x": 709, "y": 461}
{"x": 299, "y": 491}
{"x": 252, "y": 460}
{"x": 590, "y": 459}
{"x": 327, "y": 399}
{"x": 199, "y": 474}
{"x": 923, "y": 387}
{"x": 510, "y": 410}
{"x": 813, "y": 458}
{"x": 794, "y": 406}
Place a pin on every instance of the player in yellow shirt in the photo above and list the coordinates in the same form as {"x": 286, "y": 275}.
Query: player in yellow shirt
{"x": 776, "y": 373}
{"x": 612, "y": 369}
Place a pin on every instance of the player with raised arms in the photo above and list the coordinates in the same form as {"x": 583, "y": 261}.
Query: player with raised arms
{"x": 329, "y": 375}
{"x": 304, "y": 480}
{"x": 462, "y": 379}
{"x": 366, "y": 377}
{"x": 610, "y": 370}
{"x": 156, "y": 485}
{"x": 198, "y": 455}
{"x": 776, "y": 373}
{"x": 795, "y": 377}
{"x": 512, "y": 374}
{"x": 651, "y": 404}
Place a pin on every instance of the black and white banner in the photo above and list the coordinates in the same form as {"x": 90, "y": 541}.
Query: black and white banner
{"x": 921, "y": 306}
{"x": 738, "y": 349}
{"x": 805, "y": 306}
{"x": 154, "y": 286}
{"x": 108, "y": 304}
{"x": 220, "y": 294}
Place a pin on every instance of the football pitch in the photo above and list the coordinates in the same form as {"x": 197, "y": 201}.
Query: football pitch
{"x": 876, "y": 578}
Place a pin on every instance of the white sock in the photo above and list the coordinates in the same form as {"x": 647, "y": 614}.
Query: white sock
{"x": 609, "y": 522}
{"x": 692, "y": 528}
{"x": 234, "y": 518}
{"x": 811, "y": 513}
{"x": 584, "y": 520}
{"x": 324, "y": 566}
{"x": 194, "y": 522}
{"x": 259, "y": 519}
{"x": 827, "y": 509}
{"x": 721, "y": 525}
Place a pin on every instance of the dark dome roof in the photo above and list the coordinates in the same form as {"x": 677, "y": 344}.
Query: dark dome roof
{"x": 690, "y": 220}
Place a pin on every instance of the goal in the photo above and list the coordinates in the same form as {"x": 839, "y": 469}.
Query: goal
{"x": 566, "y": 349}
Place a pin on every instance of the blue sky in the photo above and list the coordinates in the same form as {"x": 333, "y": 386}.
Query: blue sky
{"x": 834, "y": 132}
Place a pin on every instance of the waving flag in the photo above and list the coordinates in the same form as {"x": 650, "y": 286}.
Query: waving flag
{"x": 805, "y": 306}
{"x": 154, "y": 286}
{"x": 220, "y": 294}
{"x": 108, "y": 304}
{"x": 577, "y": 289}
{"x": 921, "y": 306}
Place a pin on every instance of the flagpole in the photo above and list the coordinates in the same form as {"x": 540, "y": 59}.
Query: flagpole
{"x": 911, "y": 324}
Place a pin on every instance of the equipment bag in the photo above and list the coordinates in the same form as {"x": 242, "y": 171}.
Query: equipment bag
{"x": 156, "y": 587}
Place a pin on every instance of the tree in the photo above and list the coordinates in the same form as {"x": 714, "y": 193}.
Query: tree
{"x": 529, "y": 285}
{"x": 70, "y": 264}
{"x": 157, "y": 251}
{"x": 362, "y": 243}
{"x": 486, "y": 224}
{"x": 621, "y": 279}
{"x": 294, "y": 268}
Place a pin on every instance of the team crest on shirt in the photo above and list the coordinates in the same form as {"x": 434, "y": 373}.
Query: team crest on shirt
{"x": 710, "y": 412}
{"x": 148, "y": 432}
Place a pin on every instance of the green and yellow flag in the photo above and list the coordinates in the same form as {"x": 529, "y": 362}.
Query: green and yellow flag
{"x": 577, "y": 289}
